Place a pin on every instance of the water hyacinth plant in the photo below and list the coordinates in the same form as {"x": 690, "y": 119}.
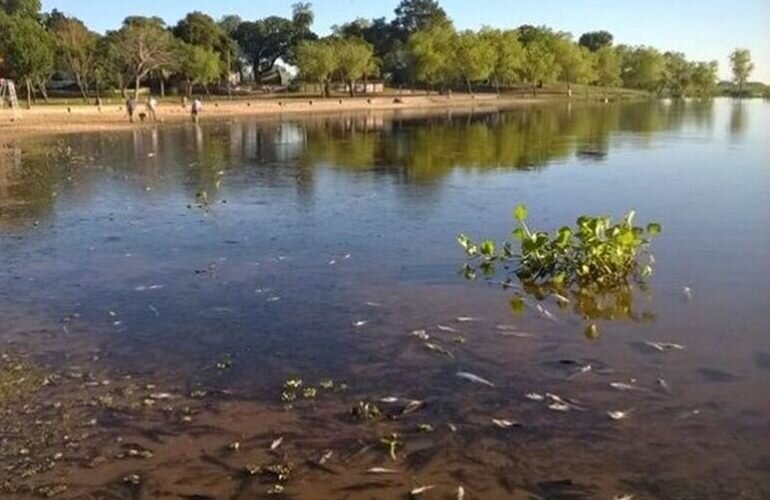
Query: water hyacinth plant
{"x": 591, "y": 260}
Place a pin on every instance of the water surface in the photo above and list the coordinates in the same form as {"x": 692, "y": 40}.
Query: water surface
{"x": 158, "y": 287}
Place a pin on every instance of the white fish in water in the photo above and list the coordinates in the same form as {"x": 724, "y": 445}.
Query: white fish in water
{"x": 420, "y": 334}
{"x": 622, "y": 386}
{"x": 561, "y": 298}
{"x": 545, "y": 313}
{"x": 273, "y": 299}
{"x": 505, "y": 424}
{"x": 559, "y": 407}
{"x": 389, "y": 400}
{"x": 520, "y": 335}
{"x": 475, "y": 378}
{"x": 466, "y": 319}
{"x": 665, "y": 346}
{"x": 664, "y": 385}
{"x": 506, "y": 328}
{"x": 275, "y": 444}
{"x": 381, "y": 470}
{"x": 332, "y": 262}
{"x": 347, "y": 256}
{"x": 534, "y": 396}
{"x": 359, "y": 324}
{"x": 374, "y": 304}
{"x": 437, "y": 348}
{"x": 460, "y": 493}
{"x": 422, "y": 489}
{"x": 154, "y": 310}
{"x": 619, "y": 415}
{"x": 687, "y": 292}
{"x": 452, "y": 427}
{"x": 144, "y": 288}
{"x": 444, "y": 328}
{"x": 581, "y": 370}
{"x": 412, "y": 406}
{"x": 326, "y": 456}
{"x": 623, "y": 497}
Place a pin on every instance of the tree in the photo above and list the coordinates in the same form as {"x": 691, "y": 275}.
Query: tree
{"x": 474, "y": 57}
{"x": 316, "y": 61}
{"x": 200, "y": 29}
{"x": 607, "y": 67}
{"x": 677, "y": 74}
{"x": 23, "y": 8}
{"x": 740, "y": 60}
{"x": 508, "y": 55}
{"x": 432, "y": 51}
{"x": 642, "y": 68}
{"x": 229, "y": 23}
{"x": 200, "y": 66}
{"x": 76, "y": 48}
{"x": 416, "y": 15}
{"x": 596, "y": 40}
{"x": 539, "y": 65}
{"x": 575, "y": 63}
{"x": 28, "y": 49}
{"x": 704, "y": 78}
{"x": 354, "y": 60}
{"x": 143, "y": 46}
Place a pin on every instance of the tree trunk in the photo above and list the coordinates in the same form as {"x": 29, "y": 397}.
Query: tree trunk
{"x": 29, "y": 93}
{"x": 352, "y": 88}
{"x": 162, "y": 87}
{"x": 136, "y": 87}
{"x": 470, "y": 87}
{"x": 206, "y": 87}
{"x": 497, "y": 86}
{"x": 43, "y": 91}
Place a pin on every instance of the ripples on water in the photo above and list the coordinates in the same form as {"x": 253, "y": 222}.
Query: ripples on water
{"x": 158, "y": 287}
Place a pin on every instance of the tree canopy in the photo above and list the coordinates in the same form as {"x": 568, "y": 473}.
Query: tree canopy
{"x": 740, "y": 60}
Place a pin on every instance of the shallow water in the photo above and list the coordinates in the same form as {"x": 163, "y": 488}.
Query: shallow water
{"x": 158, "y": 287}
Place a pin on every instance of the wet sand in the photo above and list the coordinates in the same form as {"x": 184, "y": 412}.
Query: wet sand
{"x": 69, "y": 119}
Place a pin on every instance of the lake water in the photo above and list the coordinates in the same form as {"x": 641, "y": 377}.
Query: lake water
{"x": 159, "y": 287}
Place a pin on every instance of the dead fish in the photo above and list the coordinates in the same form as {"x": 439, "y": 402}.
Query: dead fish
{"x": 664, "y": 385}
{"x": 373, "y": 304}
{"x": 665, "y": 346}
{"x": 467, "y": 319}
{"x": 534, "y": 396}
{"x": 161, "y": 395}
{"x": 545, "y": 313}
{"x": 445, "y": 328}
{"x": 621, "y": 386}
{"x": 619, "y": 415}
{"x": 452, "y": 427}
{"x": 273, "y": 299}
{"x": 381, "y": 470}
{"x": 359, "y": 324}
{"x": 332, "y": 262}
{"x": 326, "y": 456}
{"x": 389, "y": 400}
{"x": 580, "y": 371}
{"x": 520, "y": 335}
{"x": 474, "y": 378}
{"x": 422, "y": 489}
{"x": 687, "y": 292}
{"x": 412, "y": 406}
{"x": 144, "y": 288}
{"x": 437, "y": 348}
{"x": 275, "y": 444}
{"x": 420, "y": 334}
{"x": 154, "y": 310}
{"x": 347, "y": 256}
{"x": 623, "y": 497}
{"x": 561, "y": 298}
{"x": 559, "y": 407}
{"x": 505, "y": 424}
{"x": 460, "y": 493}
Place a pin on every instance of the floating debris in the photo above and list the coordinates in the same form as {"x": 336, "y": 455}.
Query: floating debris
{"x": 665, "y": 346}
{"x": 381, "y": 470}
{"x": 425, "y": 428}
{"x": 275, "y": 489}
{"x": 275, "y": 444}
{"x": 422, "y": 489}
{"x": 420, "y": 334}
{"x": 619, "y": 415}
{"x": 366, "y": 411}
{"x": 474, "y": 378}
{"x": 253, "y": 470}
{"x": 441, "y": 350}
{"x": 505, "y": 424}
{"x": 234, "y": 446}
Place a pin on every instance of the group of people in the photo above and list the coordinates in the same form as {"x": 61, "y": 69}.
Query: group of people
{"x": 151, "y": 107}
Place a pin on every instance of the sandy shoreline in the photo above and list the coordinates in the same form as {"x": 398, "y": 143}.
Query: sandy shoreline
{"x": 62, "y": 119}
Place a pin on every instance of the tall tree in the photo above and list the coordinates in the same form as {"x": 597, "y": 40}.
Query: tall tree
{"x": 608, "y": 67}
{"x": 316, "y": 61}
{"x": 76, "y": 48}
{"x": 354, "y": 60}
{"x": 474, "y": 57}
{"x": 24, "y": 8}
{"x": 539, "y": 64}
{"x": 432, "y": 52}
{"x": 740, "y": 60}
{"x": 642, "y": 68}
{"x": 508, "y": 55}
{"x": 595, "y": 40}
{"x": 677, "y": 74}
{"x": 576, "y": 63}
{"x": 199, "y": 66}
{"x": 143, "y": 46}
{"x": 28, "y": 49}
{"x": 704, "y": 78}
{"x": 416, "y": 15}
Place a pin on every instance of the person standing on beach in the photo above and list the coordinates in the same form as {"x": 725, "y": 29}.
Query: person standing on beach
{"x": 197, "y": 107}
{"x": 130, "y": 108}
{"x": 152, "y": 106}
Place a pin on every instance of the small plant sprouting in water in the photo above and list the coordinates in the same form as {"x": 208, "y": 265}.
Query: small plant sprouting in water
{"x": 593, "y": 260}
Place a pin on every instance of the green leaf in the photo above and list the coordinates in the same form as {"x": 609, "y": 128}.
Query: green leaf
{"x": 654, "y": 229}
{"x": 488, "y": 248}
{"x": 517, "y": 305}
{"x": 521, "y": 213}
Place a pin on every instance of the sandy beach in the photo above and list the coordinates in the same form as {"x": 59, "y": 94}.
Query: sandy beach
{"x": 64, "y": 119}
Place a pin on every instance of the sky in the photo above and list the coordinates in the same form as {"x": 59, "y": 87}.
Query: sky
{"x": 702, "y": 29}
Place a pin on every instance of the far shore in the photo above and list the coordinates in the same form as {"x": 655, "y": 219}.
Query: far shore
{"x": 77, "y": 118}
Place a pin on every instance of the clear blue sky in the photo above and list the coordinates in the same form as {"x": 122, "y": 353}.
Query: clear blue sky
{"x": 702, "y": 29}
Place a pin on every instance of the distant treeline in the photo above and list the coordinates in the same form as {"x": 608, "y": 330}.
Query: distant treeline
{"x": 418, "y": 47}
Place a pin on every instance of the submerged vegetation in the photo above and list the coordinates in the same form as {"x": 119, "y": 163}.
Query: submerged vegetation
{"x": 596, "y": 262}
